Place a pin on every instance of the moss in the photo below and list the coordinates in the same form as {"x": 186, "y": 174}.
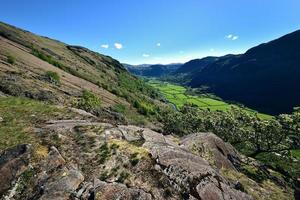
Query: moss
{"x": 127, "y": 147}
{"x": 200, "y": 149}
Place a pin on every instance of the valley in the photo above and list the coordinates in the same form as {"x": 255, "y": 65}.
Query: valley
{"x": 177, "y": 95}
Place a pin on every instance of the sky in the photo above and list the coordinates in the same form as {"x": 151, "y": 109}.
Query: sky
{"x": 156, "y": 31}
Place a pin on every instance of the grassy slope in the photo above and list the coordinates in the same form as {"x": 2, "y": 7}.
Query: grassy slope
{"x": 21, "y": 116}
{"x": 177, "y": 95}
{"x": 78, "y": 68}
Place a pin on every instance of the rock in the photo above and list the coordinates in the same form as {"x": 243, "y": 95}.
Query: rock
{"x": 213, "y": 149}
{"x": 61, "y": 126}
{"x": 131, "y": 133}
{"x": 116, "y": 191}
{"x": 13, "y": 162}
{"x": 53, "y": 160}
{"x": 1, "y": 119}
{"x": 57, "y": 181}
{"x": 62, "y": 187}
{"x": 82, "y": 112}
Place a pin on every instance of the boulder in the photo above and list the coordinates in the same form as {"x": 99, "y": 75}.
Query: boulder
{"x": 209, "y": 146}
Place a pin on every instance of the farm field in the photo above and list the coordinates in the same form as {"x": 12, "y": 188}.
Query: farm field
{"x": 175, "y": 94}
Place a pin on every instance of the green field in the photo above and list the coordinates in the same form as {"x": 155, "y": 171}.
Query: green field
{"x": 176, "y": 95}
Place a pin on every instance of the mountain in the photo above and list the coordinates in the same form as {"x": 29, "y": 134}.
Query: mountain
{"x": 157, "y": 70}
{"x": 30, "y": 65}
{"x": 196, "y": 65}
{"x": 265, "y": 78}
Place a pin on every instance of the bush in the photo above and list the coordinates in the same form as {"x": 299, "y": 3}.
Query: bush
{"x": 119, "y": 108}
{"x": 89, "y": 101}
{"x": 11, "y": 59}
{"x": 52, "y": 77}
{"x": 144, "y": 108}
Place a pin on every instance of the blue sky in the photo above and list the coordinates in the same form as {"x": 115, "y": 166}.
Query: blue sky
{"x": 156, "y": 31}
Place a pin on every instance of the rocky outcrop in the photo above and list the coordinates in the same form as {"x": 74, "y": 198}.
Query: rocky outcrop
{"x": 187, "y": 172}
{"x": 110, "y": 162}
{"x": 50, "y": 179}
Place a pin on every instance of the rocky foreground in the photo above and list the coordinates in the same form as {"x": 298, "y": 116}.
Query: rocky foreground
{"x": 84, "y": 159}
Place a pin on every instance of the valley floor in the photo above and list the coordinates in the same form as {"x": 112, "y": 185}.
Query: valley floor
{"x": 177, "y": 95}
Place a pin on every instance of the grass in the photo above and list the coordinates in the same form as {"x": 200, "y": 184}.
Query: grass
{"x": 296, "y": 154}
{"x": 20, "y": 116}
{"x": 176, "y": 95}
{"x": 11, "y": 59}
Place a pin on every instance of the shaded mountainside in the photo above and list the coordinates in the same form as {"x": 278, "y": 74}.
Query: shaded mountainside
{"x": 152, "y": 70}
{"x": 68, "y": 130}
{"x": 195, "y": 66}
{"x": 265, "y": 78}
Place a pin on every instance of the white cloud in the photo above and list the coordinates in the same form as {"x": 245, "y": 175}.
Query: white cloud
{"x": 118, "y": 45}
{"x": 232, "y": 37}
{"x": 229, "y": 36}
{"x": 105, "y": 46}
{"x": 158, "y": 44}
{"x": 235, "y": 37}
{"x": 146, "y": 55}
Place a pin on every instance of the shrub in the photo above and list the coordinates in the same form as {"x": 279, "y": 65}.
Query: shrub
{"x": 52, "y": 77}
{"x": 11, "y": 59}
{"x": 119, "y": 108}
{"x": 89, "y": 101}
{"x": 143, "y": 108}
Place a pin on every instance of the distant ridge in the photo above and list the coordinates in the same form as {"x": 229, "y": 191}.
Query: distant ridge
{"x": 266, "y": 77}
{"x": 156, "y": 70}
